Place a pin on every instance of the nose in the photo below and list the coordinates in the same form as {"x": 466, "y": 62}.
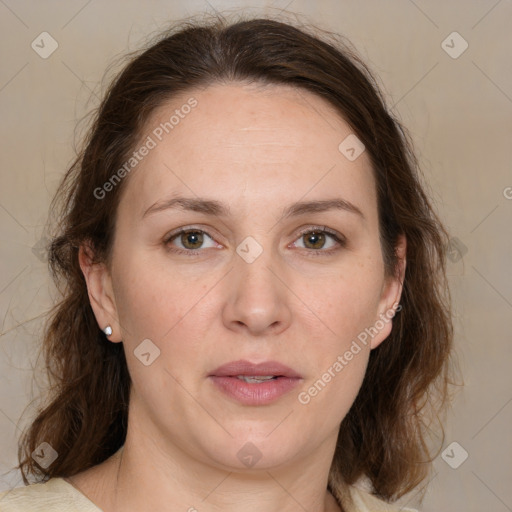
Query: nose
{"x": 257, "y": 302}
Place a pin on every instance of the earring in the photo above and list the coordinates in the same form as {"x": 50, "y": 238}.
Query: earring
{"x": 108, "y": 330}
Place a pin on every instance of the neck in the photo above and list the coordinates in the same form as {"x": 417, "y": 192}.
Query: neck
{"x": 154, "y": 472}
{"x": 198, "y": 488}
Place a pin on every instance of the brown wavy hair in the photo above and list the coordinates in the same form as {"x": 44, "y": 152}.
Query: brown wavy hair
{"x": 385, "y": 435}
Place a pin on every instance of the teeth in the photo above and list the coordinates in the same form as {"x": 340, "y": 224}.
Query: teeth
{"x": 255, "y": 378}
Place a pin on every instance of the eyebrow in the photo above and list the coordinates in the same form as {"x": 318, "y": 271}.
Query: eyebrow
{"x": 218, "y": 209}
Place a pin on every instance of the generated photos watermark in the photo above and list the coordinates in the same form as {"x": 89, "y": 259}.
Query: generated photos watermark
{"x": 342, "y": 361}
{"x": 151, "y": 142}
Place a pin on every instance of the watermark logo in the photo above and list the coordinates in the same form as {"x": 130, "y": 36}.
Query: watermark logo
{"x": 147, "y": 352}
{"x": 40, "y": 249}
{"x": 454, "y": 45}
{"x": 249, "y": 249}
{"x": 44, "y": 45}
{"x": 454, "y": 455}
{"x": 44, "y": 455}
{"x": 249, "y": 454}
{"x": 351, "y": 147}
{"x": 456, "y": 250}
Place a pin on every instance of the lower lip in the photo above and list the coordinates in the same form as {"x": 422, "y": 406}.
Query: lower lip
{"x": 249, "y": 393}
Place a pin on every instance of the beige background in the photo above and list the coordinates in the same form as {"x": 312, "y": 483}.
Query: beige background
{"x": 459, "y": 112}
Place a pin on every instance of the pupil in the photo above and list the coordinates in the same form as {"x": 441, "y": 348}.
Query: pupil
{"x": 315, "y": 240}
{"x": 192, "y": 240}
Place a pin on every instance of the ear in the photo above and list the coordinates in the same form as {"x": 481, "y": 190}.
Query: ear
{"x": 389, "y": 302}
{"x": 100, "y": 291}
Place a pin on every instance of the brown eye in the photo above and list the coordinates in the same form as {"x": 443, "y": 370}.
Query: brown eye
{"x": 314, "y": 240}
{"x": 192, "y": 239}
{"x": 320, "y": 241}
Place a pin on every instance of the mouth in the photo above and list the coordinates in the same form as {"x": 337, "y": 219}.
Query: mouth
{"x": 257, "y": 378}
{"x": 255, "y": 384}
{"x": 263, "y": 371}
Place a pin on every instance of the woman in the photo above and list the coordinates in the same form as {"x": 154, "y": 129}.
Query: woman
{"x": 255, "y": 311}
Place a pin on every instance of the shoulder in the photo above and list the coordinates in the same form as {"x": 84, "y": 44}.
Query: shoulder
{"x": 364, "y": 501}
{"x": 55, "y": 495}
{"x": 358, "y": 498}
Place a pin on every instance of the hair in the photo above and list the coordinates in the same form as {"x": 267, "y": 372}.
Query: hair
{"x": 384, "y": 435}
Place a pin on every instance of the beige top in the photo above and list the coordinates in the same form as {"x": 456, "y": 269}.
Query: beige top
{"x": 57, "y": 495}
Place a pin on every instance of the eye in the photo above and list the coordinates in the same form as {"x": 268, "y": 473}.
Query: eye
{"x": 320, "y": 240}
{"x": 316, "y": 240}
{"x": 190, "y": 240}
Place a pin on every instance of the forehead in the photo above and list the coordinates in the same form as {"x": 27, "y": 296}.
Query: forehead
{"x": 251, "y": 115}
{"x": 248, "y": 140}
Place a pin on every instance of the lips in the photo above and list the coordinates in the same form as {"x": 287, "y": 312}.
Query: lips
{"x": 254, "y": 384}
{"x": 248, "y": 369}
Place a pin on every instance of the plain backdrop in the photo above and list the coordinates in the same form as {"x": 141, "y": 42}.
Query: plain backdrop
{"x": 456, "y": 102}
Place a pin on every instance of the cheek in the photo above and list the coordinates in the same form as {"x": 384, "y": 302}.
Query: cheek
{"x": 145, "y": 307}
{"x": 345, "y": 306}
{"x": 346, "y": 302}
{"x": 167, "y": 308}
{"x": 331, "y": 392}
{"x": 349, "y": 307}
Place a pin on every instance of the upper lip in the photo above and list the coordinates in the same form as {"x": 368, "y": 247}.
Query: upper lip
{"x": 266, "y": 368}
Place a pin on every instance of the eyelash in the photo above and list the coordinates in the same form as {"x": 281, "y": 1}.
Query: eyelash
{"x": 338, "y": 238}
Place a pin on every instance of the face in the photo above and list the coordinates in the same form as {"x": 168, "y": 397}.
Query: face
{"x": 279, "y": 265}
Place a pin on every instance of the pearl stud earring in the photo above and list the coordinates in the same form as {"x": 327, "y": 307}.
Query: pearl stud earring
{"x": 108, "y": 330}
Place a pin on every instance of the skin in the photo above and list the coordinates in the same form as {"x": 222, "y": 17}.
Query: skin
{"x": 257, "y": 149}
